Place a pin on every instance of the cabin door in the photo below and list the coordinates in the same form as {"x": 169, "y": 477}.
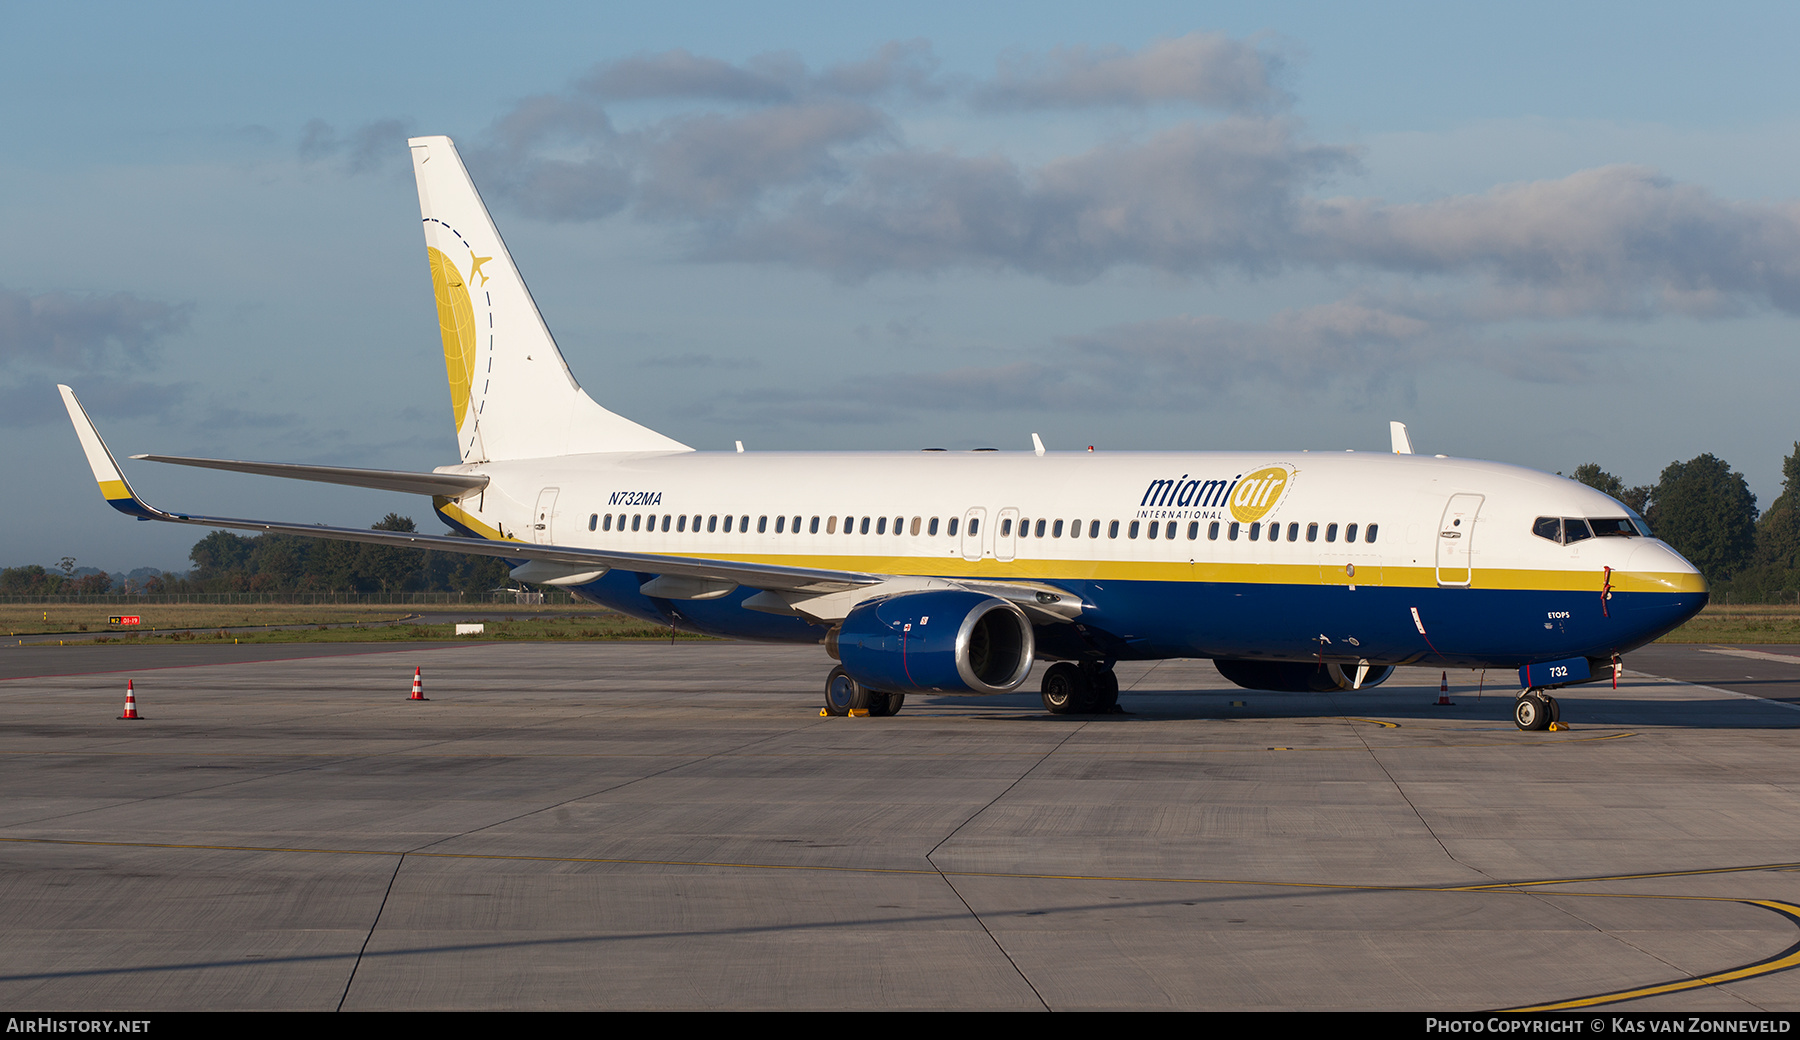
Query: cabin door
{"x": 1006, "y": 538}
{"x": 546, "y": 510}
{"x": 1456, "y": 541}
{"x": 971, "y": 533}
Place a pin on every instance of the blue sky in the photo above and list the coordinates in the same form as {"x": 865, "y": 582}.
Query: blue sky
{"x": 1540, "y": 235}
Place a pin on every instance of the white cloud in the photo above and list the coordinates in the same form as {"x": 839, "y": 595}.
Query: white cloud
{"x": 1202, "y": 68}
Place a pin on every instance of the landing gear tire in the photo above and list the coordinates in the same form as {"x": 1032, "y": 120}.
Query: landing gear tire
{"x": 883, "y": 704}
{"x": 843, "y": 693}
{"x": 1533, "y": 712}
{"x": 1066, "y": 690}
{"x": 1555, "y": 708}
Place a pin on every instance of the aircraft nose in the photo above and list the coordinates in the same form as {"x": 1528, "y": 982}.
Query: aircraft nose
{"x": 1656, "y": 562}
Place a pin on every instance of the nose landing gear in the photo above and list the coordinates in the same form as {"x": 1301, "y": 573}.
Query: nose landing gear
{"x": 1536, "y": 710}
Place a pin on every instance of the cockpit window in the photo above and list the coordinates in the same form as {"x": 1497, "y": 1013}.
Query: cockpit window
{"x": 1568, "y": 530}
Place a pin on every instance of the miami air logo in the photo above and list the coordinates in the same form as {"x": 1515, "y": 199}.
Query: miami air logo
{"x": 1247, "y": 496}
{"x": 458, "y": 282}
{"x": 1259, "y": 492}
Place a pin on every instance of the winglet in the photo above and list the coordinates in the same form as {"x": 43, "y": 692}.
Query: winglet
{"x": 113, "y": 486}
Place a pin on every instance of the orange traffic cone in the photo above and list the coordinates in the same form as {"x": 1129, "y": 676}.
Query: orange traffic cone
{"x": 130, "y": 703}
{"x": 418, "y": 693}
{"x": 1444, "y": 691}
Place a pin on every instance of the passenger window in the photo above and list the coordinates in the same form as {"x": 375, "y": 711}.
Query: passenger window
{"x": 974, "y": 526}
{"x": 1369, "y": 535}
{"x": 1350, "y": 533}
{"x": 1155, "y": 528}
{"x": 1169, "y": 531}
{"x": 1212, "y": 531}
{"x": 1094, "y": 529}
{"x": 594, "y": 522}
{"x": 1039, "y": 529}
{"x": 1006, "y": 527}
{"x": 796, "y": 525}
{"x": 1112, "y": 529}
{"x": 880, "y": 526}
{"x": 1074, "y": 529}
{"x": 951, "y": 527}
{"x": 917, "y": 520}
{"x": 1231, "y": 532}
{"x": 665, "y": 521}
{"x": 1134, "y": 529}
{"x": 1056, "y": 529}
{"x": 1312, "y": 532}
{"x": 744, "y": 524}
{"x": 1255, "y": 530}
{"x": 931, "y": 528}
{"x": 728, "y": 525}
{"x": 681, "y": 522}
{"x": 813, "y": 528}
{"x": 780, "y": 524}
{"x": 762, "y": 525}
{"x": 637, "y": 521}
{"x": 1193, "y": 530}
{"x": 607, "y": 526}
{"x": 696, "y": 523}
{"x": 1331, "y": 532}
{"x": 1293, "y": 532}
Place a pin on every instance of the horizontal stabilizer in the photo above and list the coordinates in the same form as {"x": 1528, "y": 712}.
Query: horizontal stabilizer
{"x": 449, "y": 485}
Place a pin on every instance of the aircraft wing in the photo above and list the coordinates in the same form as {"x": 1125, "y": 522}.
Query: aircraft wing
{"x": 451, "y": 484}
{"x": 805, "y": 581}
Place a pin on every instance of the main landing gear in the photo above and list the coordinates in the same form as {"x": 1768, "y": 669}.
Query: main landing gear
{"x": 1086, "y": 689}
{"x": 844, "y": 695}
{"x": 1536, "y": 710}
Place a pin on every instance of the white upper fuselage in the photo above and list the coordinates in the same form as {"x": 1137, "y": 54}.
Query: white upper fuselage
{"x": 608, "y": 501}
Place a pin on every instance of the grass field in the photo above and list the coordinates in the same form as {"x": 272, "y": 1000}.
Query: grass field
{"x": 338, "y": 624}
{"x": 1741, "y": 624}
{"x": 77, "y": 618}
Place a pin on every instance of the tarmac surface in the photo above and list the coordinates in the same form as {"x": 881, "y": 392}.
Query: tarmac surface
{"x": 643, "y": 825}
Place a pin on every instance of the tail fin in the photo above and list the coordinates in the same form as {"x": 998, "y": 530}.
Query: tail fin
{"x": 512, "y": 393}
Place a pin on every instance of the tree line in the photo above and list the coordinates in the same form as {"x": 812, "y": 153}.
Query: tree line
{"x": 1706, "y": 511}
{"x": 279, "y": 563}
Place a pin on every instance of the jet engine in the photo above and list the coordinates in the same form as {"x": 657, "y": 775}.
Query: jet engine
{"x": 937, "y": 641}
{"x": 1299, "y": 676}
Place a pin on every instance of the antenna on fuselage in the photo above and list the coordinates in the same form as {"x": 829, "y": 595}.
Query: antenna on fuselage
{"x": 1402, "y": 442}
{"x": 1037, "y": 444}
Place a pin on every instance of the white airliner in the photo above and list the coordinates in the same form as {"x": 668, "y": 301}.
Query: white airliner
{"x": 952, "y": 572}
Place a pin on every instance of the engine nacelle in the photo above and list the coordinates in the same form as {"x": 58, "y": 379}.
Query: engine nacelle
{"x": 1299, "y": 677}
{"x": 937, "y": 641}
